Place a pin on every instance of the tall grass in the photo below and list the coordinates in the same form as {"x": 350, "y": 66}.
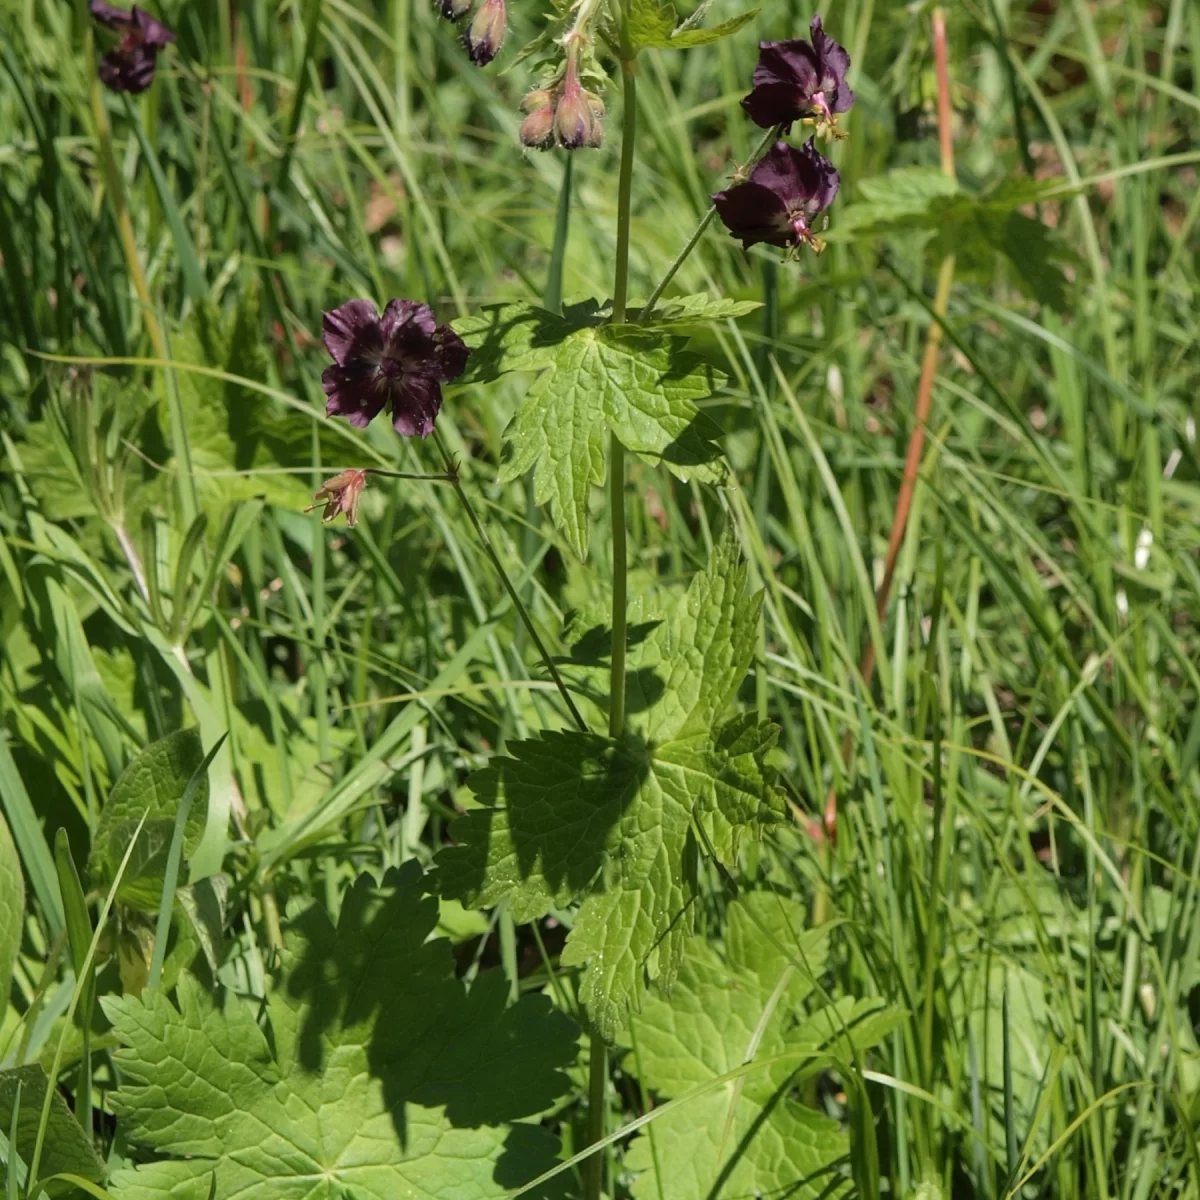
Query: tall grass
{"x": 1017, "y": 851}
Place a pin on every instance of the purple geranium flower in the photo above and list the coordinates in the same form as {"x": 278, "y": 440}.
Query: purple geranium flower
{"x": 401, "y": 359}
{"x": 798, "y": 79}
{"x": 780, "y": 199}
{"x": 129, "y": 65}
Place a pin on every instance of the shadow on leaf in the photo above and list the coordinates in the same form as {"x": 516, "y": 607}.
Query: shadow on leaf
{"x": 377, "y": 980}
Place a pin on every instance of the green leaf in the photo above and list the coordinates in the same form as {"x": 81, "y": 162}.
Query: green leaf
{"x": 746, "y": 1004}
{"x": 651, "y": 25}
{"x": 640, "y": 384}
{"x": 12, "y": 910}
{"x": 204, "y": 905}
{"x": 155, "y": 782}
{"x": 618, "y": 825}
{"x": 66, "y": 1146}
{"x": 692, "y": 310}
{"x": 377, "y": 1073}
{"x": 973, "y": 228}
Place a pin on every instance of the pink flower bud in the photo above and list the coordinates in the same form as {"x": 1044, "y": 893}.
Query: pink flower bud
{"x": 485, "y": 34}
{"x": 574, "y": 120}
{"x": 537, "y": 130}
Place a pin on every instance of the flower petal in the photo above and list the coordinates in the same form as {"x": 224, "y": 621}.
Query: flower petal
{"x": 109, "y": 15}
{"x": 411, "y": 315}
{"x": 792, "y": 62}
{"x": 820, "y": 177}
{"x": 452, "y": 354}
{"x": 774, "y": 104}
{"x": 357, "y": 394}
{"x": 352, "y": 333}
{"x": 754, "y": 213}
{"x": 154, "y": 33}
{"x": 132, "y": 70}
{"x": 416, "y": 404}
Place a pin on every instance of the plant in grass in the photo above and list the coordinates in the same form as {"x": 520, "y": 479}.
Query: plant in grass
{"x": 615, "y": 821}
{"x": 614, "y": 824}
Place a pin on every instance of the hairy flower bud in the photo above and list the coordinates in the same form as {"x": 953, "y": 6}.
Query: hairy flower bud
{"x": 537, "y": 130}
{"x": 454, "y": 10}
{"x": 575, "y": 120}
{"x": 485, "y": 34}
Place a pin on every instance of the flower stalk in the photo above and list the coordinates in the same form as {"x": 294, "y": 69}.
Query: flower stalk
{"x": 452, "y": 476}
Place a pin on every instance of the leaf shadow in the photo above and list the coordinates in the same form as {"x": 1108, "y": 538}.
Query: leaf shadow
{"x": 499, "y": 328}
{"x": 377, "y": 979}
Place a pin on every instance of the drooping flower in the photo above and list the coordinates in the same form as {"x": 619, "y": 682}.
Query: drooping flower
{"x": 800, "y": 80}
{"x": 340, "y": 495}
{"x": 579, "y": 117}
{"x": 485, "y": 34}
{"x": 779, "y": 201}
{"x": 400, "y": 359}
{"x": 129, "y": 65}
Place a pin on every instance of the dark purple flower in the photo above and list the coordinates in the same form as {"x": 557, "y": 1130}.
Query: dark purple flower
{"x": 129, "y": 65}
{"x": 781, "y": 198}
{"x": 401, "y": 359}
{"x": 798, "y": 80}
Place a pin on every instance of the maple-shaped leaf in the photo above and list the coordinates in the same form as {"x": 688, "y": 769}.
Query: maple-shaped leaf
{"x": 618, "y": 824}
{"x": 375, "y": 1073}
{"x": 639, "y": 383}
{"x": 750, "y": 1003}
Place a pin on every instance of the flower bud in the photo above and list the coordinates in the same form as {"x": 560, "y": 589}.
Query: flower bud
{"x": 537, "y": 130}
{"x": 574, "y": 119}
{"x": 454, "y": 10}
{"x": 539, "y": 98}
{"x": 485, "y": 34}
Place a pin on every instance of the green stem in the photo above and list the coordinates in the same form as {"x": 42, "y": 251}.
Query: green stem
{"x": 593, "y": 1167}
{"x": 598, "y": 1064}
{"x": 705, "y": 221}
{"x": 522, "y": 611}
{"x": 624, "y": 189}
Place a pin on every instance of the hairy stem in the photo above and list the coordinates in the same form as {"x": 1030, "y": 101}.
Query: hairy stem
{"x": 705, "y": 221}
{"x": 522, "y": 611}
{"x": 598, "y": 1066}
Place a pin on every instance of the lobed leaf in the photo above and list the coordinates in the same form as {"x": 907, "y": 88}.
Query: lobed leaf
{"x": 974, "y": 228}
{"x": 376, "y": 1074}
{"x": 619, "y": 825}
{"x": 640, "y": 384}
{"x": 755, "y": 1137}
{"x": 66, "y": 1147}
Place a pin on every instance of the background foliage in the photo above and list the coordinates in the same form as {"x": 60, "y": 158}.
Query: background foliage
{"x": 991, "y": 980}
